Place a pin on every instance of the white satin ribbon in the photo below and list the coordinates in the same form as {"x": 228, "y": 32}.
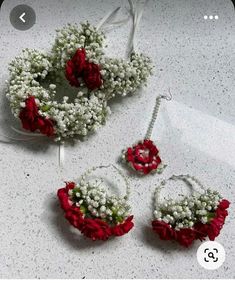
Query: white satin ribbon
{"x": 106, "y": 20}
{"x": 136, "y": 12}
{"x": 33, "y": 136}
{"x": 61, "y": 154}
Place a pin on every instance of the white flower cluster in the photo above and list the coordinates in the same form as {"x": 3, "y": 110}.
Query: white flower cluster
{"x": 94, "y": 201}
{"x": 26, "y": 72}
{"x": 70, "y": 38}
{"x": 120, "y": 77}
{"x": 192, "y": 209}
{"x": 41, "y": 75}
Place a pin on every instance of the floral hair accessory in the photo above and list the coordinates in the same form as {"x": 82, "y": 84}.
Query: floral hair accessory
{"x": 77, "y": 65}
{"x": 144, "y": 156}
{"x": 89, "y": 207}
{"x": 193, "y": 218}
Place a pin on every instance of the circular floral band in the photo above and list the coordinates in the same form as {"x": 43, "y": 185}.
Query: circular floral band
{"x": 199, "y": 230}
{"x": 76, "y": 67}
{"x": 193, "y": 218}
{"x": 91, "y": 210}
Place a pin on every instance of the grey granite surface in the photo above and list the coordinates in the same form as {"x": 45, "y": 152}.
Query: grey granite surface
{"x": 195, "y": 133}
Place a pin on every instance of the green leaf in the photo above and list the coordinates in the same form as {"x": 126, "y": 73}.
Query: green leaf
{"x": 45, "y": 108}
{"x": 210, "y": 215}
{"x": 83, "y": 209}
{"x": 119, "y": 219}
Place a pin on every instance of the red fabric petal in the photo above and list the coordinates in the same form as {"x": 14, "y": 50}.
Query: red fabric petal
{"x": 63, "y": 198}
{"x": 185, "y": 236}
{"x": 164, "y": 230}
{"x": 96, "y": 229}
{"x": 121, "y": 229}
{"x": 92, "y": 76}
{"x": 75, "y": 217}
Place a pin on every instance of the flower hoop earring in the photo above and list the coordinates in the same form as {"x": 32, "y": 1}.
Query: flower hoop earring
{"x": 97, "y": 214}
{"x": 195, "y": 217}
{"x": 144, "y": 156}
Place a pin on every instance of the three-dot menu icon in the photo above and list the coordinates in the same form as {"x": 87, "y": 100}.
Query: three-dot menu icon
{"x": 211, "y": 17}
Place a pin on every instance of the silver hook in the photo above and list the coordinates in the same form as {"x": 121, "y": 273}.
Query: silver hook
{"x": 169, "y": 97}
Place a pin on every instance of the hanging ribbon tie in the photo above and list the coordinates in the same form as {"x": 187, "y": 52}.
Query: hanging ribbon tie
{"x": 136, "y": 11}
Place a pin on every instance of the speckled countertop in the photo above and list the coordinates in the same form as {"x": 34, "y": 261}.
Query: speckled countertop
{"x": 195, "y": 133}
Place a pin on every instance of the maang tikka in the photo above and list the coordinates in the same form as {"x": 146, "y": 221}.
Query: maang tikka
{"x": 144, "y": 156}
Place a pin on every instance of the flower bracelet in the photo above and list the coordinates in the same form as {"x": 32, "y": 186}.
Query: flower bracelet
{"x": 77, "y": 66}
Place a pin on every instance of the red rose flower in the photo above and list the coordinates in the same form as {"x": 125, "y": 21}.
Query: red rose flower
{"x": 221, "y": 213}
{"x": 63, "y": 198}
{"x": 70, "y": 185}
{"x": 79, "y": 60}
{"x": 31, "y": 106}
{"x": 96, "y": 229}
{"x": 79, "y": 68}
{"x": 214, "y": 227}
{"x": 121, "y": 229}
{"x": 164, "y": 230}
{"x": 71, "y": 75}
{"x": 216, "y": 224}
{"x": 47, "y": 127}
{"x": 143, "y": 157}
{"x": 185, "y": 236}
{"x": 29, "y": 114}
{"x": 92, "y": 76}
{"x": 201, "y": 231}
{"x": 224, "y": 204}
{"x": 75, "y": 67}
{"x": 32, "y": 121}
{"x": 75, "y": 217}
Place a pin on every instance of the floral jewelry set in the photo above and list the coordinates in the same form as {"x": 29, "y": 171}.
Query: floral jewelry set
{"x": 77, "y": 59}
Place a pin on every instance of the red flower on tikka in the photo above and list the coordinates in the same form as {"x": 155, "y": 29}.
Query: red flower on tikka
{"x": 143, "y": 157}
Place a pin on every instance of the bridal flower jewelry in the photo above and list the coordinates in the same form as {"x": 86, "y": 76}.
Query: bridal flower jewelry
{"x": 90, "y": 208}
{"x": 144, "y": 156}
{"x": 77, "y": 61}
{"x": 193, "y": 218}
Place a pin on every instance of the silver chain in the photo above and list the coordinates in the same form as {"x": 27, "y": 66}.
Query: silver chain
{"x": 155, "y": 113}
{"x": 186, "y": 178}
{"x": 89, "y": 171}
